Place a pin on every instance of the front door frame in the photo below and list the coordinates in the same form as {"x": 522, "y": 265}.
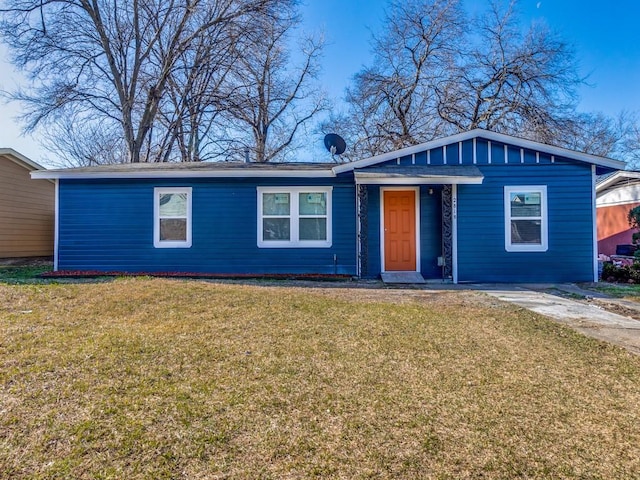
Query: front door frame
{"x": 416, "y": 190}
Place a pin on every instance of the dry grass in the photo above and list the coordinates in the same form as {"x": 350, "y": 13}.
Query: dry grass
{"x": 152, "y": 378}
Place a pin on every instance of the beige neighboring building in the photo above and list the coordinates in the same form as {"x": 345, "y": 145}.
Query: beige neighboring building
{"x": 26, "y": 208}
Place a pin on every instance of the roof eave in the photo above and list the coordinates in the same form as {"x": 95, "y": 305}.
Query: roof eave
{"x": 422, "y": 180}
{"x": 20, "y": 159}
{"x": 492, "y": 136}
{"x": 613, "y": 179}
{"x": 60, "y": 174}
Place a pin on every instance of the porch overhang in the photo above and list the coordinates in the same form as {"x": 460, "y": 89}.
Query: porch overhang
{"x": 420, "y": 175}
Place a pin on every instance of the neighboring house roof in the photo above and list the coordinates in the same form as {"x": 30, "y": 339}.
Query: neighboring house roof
{"x": 486, "y": 134}
{"x": 620, "y": 188}
{"x": 617, "y": 179}
{"x": 20, "y": 159}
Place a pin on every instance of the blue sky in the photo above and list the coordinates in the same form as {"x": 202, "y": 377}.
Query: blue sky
{"x": 605, "y": 35}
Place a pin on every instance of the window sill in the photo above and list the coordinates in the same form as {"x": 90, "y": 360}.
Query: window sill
{"x": 526, "y": 248}
{"x": 172, "y": 245}
{"x": 294, "y": 244}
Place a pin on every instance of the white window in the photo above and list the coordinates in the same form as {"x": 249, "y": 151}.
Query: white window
{"x": 294, "y": 217}
{"x": 525, "y": 211}
{"x": 172, "y": 217}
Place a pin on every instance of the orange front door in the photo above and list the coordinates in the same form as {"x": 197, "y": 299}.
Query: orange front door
{"x": 399, "y": 230}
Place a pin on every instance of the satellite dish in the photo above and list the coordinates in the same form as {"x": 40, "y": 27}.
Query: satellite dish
{"x": 335, "y": 144}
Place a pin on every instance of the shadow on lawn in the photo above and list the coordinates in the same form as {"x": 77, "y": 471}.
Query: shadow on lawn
{"x": 27, "y": 271}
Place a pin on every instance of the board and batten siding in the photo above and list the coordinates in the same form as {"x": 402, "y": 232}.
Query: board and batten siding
{"x": 481, "y": 252}
{"x": 482, "y": 256}
{"x": 26, "y": 212}
{"x": 462, "y": 153}
{"x": 107, "y": 225}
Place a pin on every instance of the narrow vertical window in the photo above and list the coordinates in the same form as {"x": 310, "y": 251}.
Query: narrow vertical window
{"x": 526, "y": 227}
{"x": 172, "y": 217}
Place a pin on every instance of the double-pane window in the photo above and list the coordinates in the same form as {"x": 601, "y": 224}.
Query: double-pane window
{"x": 294, "y": 216}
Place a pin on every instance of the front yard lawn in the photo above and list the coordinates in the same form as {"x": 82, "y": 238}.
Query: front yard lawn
{"x": 156, "y": 378}
{"x": 22, "y": 274}
{"x": 619, "y": 290}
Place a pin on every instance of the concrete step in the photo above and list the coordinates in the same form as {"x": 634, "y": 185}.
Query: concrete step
{"x": 402, "y": 277}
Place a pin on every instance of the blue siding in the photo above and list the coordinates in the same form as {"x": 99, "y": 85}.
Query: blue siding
{"x": 497, "y": 153}
{"x": 437, "y": 156}
{"x": 481, "y": 244}
{"x": 374, "y": 264}
{"x": 430, "y": 231}
{"x": 513, "y": 154}
{"x": 452, "y": 154}
{"x": 498, "y": 157}
{"x": 529, "y": 157}
{"x": 467, "y": 150}
{"x": 107, "y": 225}
{"x": 482, "y": 152}
{"x": 421, "y": 158}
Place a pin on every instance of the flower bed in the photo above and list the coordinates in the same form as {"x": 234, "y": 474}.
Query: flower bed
{"x": 272, "y": 276}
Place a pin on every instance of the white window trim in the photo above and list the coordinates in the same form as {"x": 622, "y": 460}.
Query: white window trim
{"x": 544, "y": 229}
{"x": 416, "y": 190}
{"x": 294, "y": 215}
{"x": 157, "y": 243}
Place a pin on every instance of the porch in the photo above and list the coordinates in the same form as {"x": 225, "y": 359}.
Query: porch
{"x": 407, "y": 221}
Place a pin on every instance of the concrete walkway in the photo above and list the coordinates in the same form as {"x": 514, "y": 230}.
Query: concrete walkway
{"x": 588, "y": 319}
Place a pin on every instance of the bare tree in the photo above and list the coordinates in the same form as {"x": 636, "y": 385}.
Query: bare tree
{"x": 77, "y": 142}
{"x": 196, "y": 94}
{"x": 436, "y": 72}
{"x": 593, "y": 133}
{"x": 630, "y": 145}
{"x": 109, "y": 61}
{"x": 393, "y": 102}
{"x": 626, "y": 130}
{"x": 271, "y": 99}
{"x": 510, "y": 81}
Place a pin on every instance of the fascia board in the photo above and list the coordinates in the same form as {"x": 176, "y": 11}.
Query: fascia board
{"x": 421, "y": 181}
{"x": 480, "y": 133}
{"x": 60, "y": 174}
{"x": 20, "y": 159}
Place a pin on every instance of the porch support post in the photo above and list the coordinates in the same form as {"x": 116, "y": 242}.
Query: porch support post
{"x": 447, "y": 232}
{"x": 363, "y": 229}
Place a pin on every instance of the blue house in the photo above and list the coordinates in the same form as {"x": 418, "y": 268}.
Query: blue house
{"x": 473, "y": 207}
